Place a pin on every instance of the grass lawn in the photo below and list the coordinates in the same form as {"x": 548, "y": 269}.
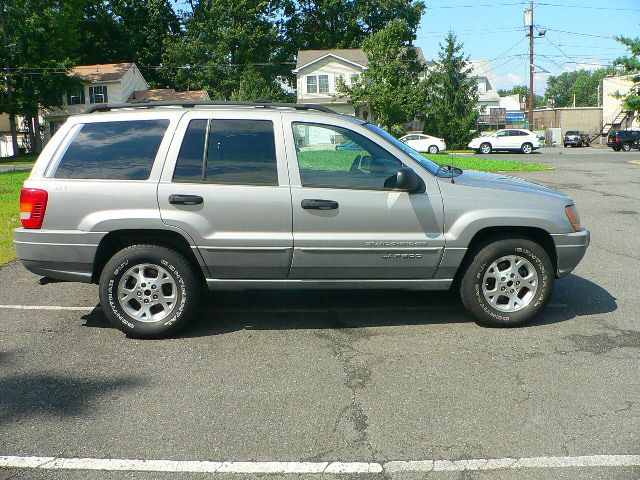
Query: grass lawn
{"x": 487, "y": 164}
{"x": 10, "y": 185}
{"x": 341, "y": 160}
{"x": 19, "y": 160}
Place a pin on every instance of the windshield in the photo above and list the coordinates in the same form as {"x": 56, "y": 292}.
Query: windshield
{"x": 424, "y": 161}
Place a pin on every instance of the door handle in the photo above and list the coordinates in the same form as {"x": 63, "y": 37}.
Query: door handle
{"x": 179, "y": 199}
{"x": 314, "y": 204}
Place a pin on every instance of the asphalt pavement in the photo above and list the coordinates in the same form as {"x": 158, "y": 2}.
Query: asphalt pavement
{"x": 322, "y": 377}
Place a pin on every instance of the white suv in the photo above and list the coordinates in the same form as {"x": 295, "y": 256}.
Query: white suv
{"x": 516, "y": 139}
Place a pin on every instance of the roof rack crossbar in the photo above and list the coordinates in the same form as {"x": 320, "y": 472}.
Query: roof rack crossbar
{"x": 214, "y": 103}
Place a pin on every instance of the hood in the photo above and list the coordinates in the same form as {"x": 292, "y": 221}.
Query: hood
{"x": 503, "y": 182}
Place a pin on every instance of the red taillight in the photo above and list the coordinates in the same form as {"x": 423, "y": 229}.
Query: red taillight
{"x": 617, "y": 139}
{"x": 33, "y": 203}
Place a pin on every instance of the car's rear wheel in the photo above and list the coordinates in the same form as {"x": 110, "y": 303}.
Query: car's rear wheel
{"x": 485, "y": 148}
{"x": 433, "y": 149}
{"x": 507, "y": 282}
{"x": 626, "y": 147}
{"x": 148, "y": 291}
{"x": 526, "y": 148}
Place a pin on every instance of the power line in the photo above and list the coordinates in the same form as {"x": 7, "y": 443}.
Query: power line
{"x": 586, "y": 6}
{"x": 477, "y": 5}
{"x": 579, "y": 34}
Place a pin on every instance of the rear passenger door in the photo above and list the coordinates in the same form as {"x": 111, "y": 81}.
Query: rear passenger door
{"x": 225, "y": 183}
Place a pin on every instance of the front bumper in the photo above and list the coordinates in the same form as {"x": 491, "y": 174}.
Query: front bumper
{"x": 570, "y": 248}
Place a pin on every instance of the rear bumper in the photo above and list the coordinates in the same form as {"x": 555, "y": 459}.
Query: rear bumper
{"x": 61, "y": 255}
{"x": 570, "y": 248}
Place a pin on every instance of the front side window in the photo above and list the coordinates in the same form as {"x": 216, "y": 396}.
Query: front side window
{"x": 312, "y": 85}
{"x": 98, "y": 94}
{"x": 113, "y": 150}
{"x": 334, "y": 157}
{"x": 75, "y": 96}
{"x": 323, "y": 83}
{"x": 233, "y": 152}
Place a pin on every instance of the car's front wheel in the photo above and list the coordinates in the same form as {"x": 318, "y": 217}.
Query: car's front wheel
{"x": 507, "y": 282}
{"x": 149, "y": 291}
{"x": 526, "y": 148}
{"x": 485, "y": 148}
{"x": 433, "y": 149}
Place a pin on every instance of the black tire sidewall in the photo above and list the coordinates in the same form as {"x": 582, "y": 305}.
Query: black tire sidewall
{"x": 471, "y": 284}
{"x": 188, "y": 290}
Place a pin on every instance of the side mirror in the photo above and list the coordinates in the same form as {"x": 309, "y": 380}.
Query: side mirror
{"x": 408, "y": 180}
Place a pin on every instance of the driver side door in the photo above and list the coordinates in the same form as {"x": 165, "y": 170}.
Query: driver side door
{"x": 348, "y": 221}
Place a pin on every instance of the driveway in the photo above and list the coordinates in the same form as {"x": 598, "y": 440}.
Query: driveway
{"x": 346, "y": 384}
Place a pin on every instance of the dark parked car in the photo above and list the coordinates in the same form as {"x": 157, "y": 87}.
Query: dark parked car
{"x": 624, "y": 140}
{"x": 576, "y": 138}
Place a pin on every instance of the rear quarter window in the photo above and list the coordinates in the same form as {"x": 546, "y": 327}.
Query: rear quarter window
{"x": 123, "y": 150}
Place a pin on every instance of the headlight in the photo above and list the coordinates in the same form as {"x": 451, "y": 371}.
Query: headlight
{"x": 572, "y": 215}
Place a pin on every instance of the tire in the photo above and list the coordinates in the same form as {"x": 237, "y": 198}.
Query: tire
{"x": 566, "y": 145}
{"x": 615, "y": 149}
{"x": 433, "y": 149}
{"x": 179, "y": 282}
{"x": 626, "y": 147}
{"x": 481, "y": 276}
{"x": 526, "y": 148}
{"x": 485, "y": 148}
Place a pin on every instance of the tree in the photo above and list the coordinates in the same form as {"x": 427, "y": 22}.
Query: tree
{"x": 452, "y": 112}
{"x": 630, "y": 65}
{"x": 129, "y": 31}
{"x": 222, "y": 39}
{"x": 523, "y": 91}
{"x": 583, "y": 85}
{"x": 254, "y": 86}
{"x": 326, "y": 24}
{"x": 392, "y": 79}
{"x": 40, "y": 46}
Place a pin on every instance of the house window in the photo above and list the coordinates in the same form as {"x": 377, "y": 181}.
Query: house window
{"x": 75, "y": 96}
{"x": 323, "y": 83}
{"x": 312, "y": 84}
{"x": 482, "y": 87}
{"x": 98, "y": 94}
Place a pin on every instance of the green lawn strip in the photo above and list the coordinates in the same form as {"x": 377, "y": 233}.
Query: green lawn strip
{"x": 488, "y": 164}
{"x": 19, "y": 160}
{"x": 10, "y": 185}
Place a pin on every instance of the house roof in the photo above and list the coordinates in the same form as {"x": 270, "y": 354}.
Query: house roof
{"x": 104, "y": 72}
{"x": 351, "y": 55}
{"x": 166, "y": 94}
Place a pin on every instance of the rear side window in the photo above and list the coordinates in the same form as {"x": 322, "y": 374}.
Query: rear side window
{"x": 113, "y": 150}
{"x": 234, "y": 152}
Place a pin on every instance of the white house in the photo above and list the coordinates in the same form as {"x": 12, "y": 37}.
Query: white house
{"x": 613, "y": 113}
{"x": 111, "y": 83}
{"x": 488, "y": 97}
{"x": 317, "y": 73}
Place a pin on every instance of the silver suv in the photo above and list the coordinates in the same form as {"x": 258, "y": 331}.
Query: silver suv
{"x": 154, "y": 201}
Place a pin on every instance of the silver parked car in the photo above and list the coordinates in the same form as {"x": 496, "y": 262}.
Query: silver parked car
{"x": 152, "y": 202}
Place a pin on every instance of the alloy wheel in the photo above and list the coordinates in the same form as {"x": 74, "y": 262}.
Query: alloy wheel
{"x": 147, "y": 292}
{"x": 510, "y": 283}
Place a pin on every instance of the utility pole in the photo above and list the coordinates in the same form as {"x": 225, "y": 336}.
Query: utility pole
{"x": 529, "y": 21}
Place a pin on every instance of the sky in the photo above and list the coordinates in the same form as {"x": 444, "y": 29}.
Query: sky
{"x": 488, "y": 28}
{"x": 494, "y": 30}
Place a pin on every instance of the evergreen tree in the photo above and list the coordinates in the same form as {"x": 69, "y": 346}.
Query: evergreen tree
{"x": 452, "y": 113}
{"x": 389, "y": 84}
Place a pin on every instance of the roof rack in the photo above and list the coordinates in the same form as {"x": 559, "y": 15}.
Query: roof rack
{"x": 213, "y": 103}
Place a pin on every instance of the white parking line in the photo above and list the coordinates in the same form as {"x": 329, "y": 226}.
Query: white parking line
{"x": 336, "y": 468}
